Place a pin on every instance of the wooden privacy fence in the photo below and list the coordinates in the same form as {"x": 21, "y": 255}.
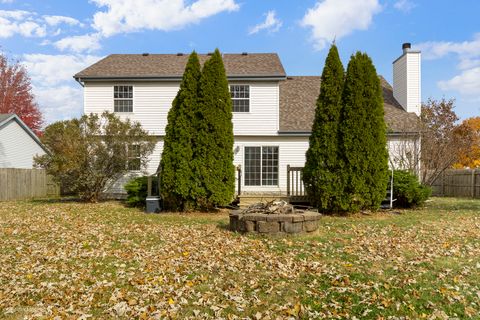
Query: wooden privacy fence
{"x": 457, "y": 183}
{"x": 20, "y": 184}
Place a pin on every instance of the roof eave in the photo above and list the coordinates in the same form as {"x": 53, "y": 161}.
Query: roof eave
{"x": 302, "y": 133}
{"x": 176, "y": 78}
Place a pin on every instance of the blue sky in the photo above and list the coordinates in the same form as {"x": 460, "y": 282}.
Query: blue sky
{"x": 55, "y": 39}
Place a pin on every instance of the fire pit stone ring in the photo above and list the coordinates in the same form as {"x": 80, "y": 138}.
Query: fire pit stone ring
{"x": 260, "y": 218}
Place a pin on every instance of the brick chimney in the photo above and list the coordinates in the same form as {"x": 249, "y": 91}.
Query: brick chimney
{"x": 407, "y": 79}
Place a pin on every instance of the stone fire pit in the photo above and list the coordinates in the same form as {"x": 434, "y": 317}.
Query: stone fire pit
{"x": 273, "y": 217}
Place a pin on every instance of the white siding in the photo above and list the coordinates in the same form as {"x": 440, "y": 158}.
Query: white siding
{"x": 404, "y": 153}
{"x": 152, "y": 100}
{"x": 291, "y": 152}
{"x": 263, "y": 116}
{"x": 116, "y": 187}
{"x": 414, "y": 86}
{"x": 407, "y": 81}
{"x": 17, "y": 147}
{"x": 400, "y": 81}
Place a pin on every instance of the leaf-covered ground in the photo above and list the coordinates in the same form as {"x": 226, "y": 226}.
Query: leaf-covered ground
{"x": 72, "y": 260}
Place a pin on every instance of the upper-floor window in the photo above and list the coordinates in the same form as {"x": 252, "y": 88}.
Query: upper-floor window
{"x": 240, "y": 97}
{"x": 123, "y": 98}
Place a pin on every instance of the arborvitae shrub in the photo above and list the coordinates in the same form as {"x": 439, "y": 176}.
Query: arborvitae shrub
{"x": 363, "y": 136}
{"x": 177, "y": 179}
{"x": 321, "y": 172}
{"x": 213, "y": 141}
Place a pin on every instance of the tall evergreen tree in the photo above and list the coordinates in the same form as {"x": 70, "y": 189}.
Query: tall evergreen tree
{"x": 320, "y": 174}
{"x": 177, "y": 181}
{"x": 363, "y": 136}
{"x": 213, "y": 147}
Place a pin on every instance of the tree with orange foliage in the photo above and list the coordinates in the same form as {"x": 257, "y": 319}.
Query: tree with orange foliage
{"x": 16, "y": 94}
{"x": 471, "y": 157}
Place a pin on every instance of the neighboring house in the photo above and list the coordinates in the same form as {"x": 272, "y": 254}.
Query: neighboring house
{"x": 272, "y": 112}
{"x": 18, "y": 144}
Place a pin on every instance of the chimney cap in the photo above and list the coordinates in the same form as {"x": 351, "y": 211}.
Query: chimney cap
{"x": 406, "y": 45}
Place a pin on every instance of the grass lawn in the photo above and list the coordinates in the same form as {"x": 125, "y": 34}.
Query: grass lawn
{"x": 103, "y": 260}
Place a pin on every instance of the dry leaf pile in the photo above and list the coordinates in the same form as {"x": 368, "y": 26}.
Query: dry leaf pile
{"x": 81, "y": 261}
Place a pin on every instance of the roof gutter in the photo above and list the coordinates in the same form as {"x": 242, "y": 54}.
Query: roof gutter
{"x": 308, "y": 133}
{"x": 81, "y": 80}
{"x": 295, "y": 133}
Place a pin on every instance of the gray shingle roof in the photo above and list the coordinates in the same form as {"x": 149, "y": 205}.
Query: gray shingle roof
{"x": 297, "y": 106}
{"x": 173, "y": 65}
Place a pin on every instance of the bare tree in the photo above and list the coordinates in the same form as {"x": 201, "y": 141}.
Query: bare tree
{"x": 439, "y": 143}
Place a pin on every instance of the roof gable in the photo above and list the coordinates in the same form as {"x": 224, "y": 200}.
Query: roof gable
{"x": 6, "y": 118}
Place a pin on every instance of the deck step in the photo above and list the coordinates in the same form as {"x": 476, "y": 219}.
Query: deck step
{"x": 246, "y": 200}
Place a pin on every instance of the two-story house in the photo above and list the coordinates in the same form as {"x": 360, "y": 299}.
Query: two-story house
{"x": 272, "y": 112}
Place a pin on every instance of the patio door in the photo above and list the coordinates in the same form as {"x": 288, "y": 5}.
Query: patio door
{"x": 261, "y": 166}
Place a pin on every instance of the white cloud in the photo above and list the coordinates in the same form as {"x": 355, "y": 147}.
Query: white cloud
{"x": 333, "y": 19}
{"x": 56, "y": 20}
{"x": 271, "y": 23}
{"x": 6, "y": 1}
{"x": 20, "y": 22}
{"x": 439, "y": 49}
{"x": 87, "y": 42}
{"x": 404, "y": 5}
{"x": 29, "y": 24}
{"x": 135, "y": 15}
{"x": 57, "y": 93}
{"x": 56, "y": 69}
{"x": 467, "y": 82}
{"x": 14, "y": 14}
{"x": 468, "y": 55}
{"x": 60, "y": 102}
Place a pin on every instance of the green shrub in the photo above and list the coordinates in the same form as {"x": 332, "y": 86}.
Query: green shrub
{"x": 88, "y": 152}
{"x": 408, "y": 191}
{"x": 137, "y": 190}
{"x": 362, "y": 134}
{"x": 320, "y": 174}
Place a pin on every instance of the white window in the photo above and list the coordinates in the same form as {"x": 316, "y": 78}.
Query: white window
{"x": 240, "y": 97}
{"x": 123, "y": 98}
{"x": 133, "y": 156}
{"x": 261, "y": 166}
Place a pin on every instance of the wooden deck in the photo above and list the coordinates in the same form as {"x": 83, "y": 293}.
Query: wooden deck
{"x": 295, "y": 190}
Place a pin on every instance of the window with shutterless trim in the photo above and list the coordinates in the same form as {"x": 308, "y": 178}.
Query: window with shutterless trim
{"x": 133, "y": 157}
{"x": 123, "y": 98}
{"x": 240, "y": 95}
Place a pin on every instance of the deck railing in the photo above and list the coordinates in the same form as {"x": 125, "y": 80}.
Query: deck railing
{"x": 239, "y": 181}
{"x": 295, "y": 187}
